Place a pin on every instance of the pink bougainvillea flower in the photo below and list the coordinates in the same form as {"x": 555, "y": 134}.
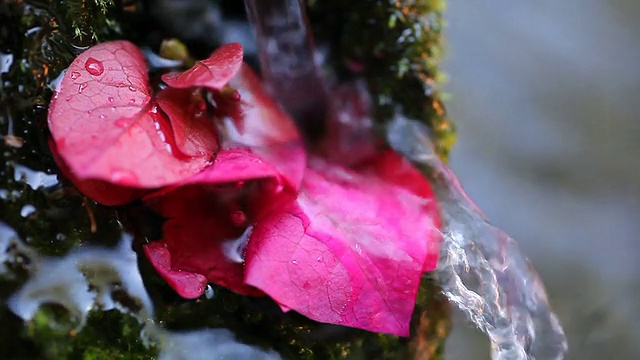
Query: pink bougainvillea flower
{"x": 341, "y": 236}
{"x": 208, "y": 222}
{"x": 345, "y": 245}
{"x": 260, "y": 166}
{"x": 109, "y": 127}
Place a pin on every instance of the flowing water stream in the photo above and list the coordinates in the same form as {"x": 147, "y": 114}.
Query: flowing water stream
{"x": 482, "y": 270}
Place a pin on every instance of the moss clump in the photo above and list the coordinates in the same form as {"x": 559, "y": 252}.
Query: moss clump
{"x": 38, "y": 39}
{"x": 259, "y": 321}
{"x": 396, "y": 46}
{"x": 51, "y": 332}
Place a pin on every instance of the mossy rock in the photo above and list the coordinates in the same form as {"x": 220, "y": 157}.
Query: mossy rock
{"x": 40, "y": 39}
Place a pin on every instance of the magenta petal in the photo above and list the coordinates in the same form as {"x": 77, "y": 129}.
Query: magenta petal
{"x": 349, "y": 251}
{"x": 194, "y": 132}
{"x": 209, "y": 214}
{"x": 197, "y": 248}
{"x": 213, "y": 72}
{"x": 189, "y": 285}
{"x": 232, "y": 166}
{"x": 106, "y": 126}
{"x": 393, "y": 168}
{"x": 260, "y": 124}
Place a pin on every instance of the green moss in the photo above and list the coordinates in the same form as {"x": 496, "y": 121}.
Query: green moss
{"x": 106, "y": 335}
{"x": 259, "y": 321}
{"x": 396, "y": 46}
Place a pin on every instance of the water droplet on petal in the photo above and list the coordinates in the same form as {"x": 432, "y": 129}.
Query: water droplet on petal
{"x": 110, "y": 99}
{"x": 122, "y": 123}
{"x": 132, "y": 88}
{"x": 75, "y": 75}
{"x": 359, "y": 249}
{"x": 94, "y": 67}
{"x": 68, "y": 98}
{"x": 124, "y": 177}
{"x": 238, "y": 217}
{"x": 103, "y": 116}
{"x": 294, "y": 262}
{"x": 27, "y": 210}
{"x": 81, "y": 87}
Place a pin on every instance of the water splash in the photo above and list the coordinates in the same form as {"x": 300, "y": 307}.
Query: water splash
{"x": 234, "y": 249}
{"x": 287, "y": 58}
{"x": 210, "y": 344}
{"x": 5, "y": 62}
{"x": 88, "y": 278}
{"x": 35, "y": 179}
{"x": 81, "y": 281}
{"x": 482, "y": 270}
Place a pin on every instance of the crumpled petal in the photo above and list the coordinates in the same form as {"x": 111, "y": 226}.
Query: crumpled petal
{"x": 259, "y": 123}
{"x": 213, "y": 72}
{"x": 188, "y": 284}
{"x": 350, "y": 250}
{"x": 107, "y": 127}
{"x": 194, "y": 130}
{"x": 208, "y": 220}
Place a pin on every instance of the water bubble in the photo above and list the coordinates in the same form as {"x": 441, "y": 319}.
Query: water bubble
{"x": 5, "y": 62}
{"x": 122, "y": 123}
{"x": 234, "y": 249}
{"x": 238, "y": 217}
{"x": 124, "y": 177}
{"x": 235, "y": 96}
{"x": 94, "y": 67}
{"x": 75, "y": 75}
{"x": 35, "y": 179}
{"x": 482, "y": 271}
{"x": 27, "y": 210}
{"x": 209, "y": 293}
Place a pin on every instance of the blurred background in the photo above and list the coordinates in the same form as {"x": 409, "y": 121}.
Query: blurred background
{"x": 545, "y": 96}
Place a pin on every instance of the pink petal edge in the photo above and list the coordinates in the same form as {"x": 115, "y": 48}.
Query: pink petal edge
{"x": 213, "y": 72}
{"x": 349, "y": 251}
{"x": 187, "y": 284}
